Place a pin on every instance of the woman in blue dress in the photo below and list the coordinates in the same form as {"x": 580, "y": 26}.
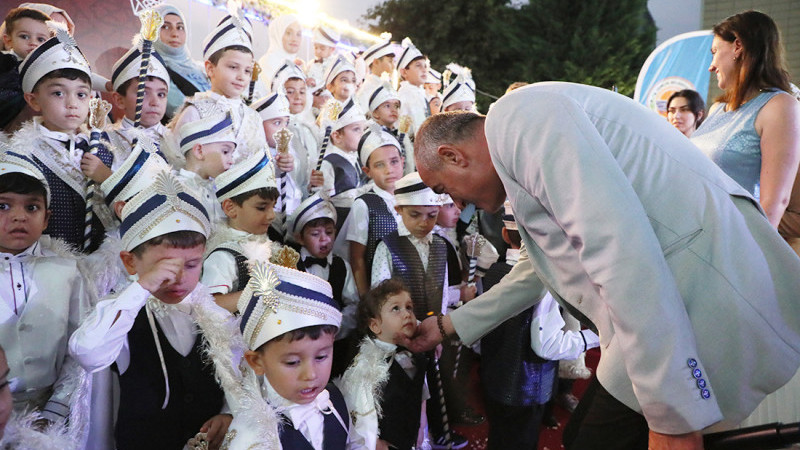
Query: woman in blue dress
{"x": 753, "y": 131}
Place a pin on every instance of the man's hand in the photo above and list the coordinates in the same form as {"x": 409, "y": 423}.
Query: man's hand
{"x": 427, "y": 336}
{"x": 688, "y": 441}
{"x": 215, "y": 429}
{"x": 468, "y": 292}
{"x": 94, "y": 168}
{"x": 317, "y": 179}
{"x": 163, "y": 273}
{"x": 285, "y": 162}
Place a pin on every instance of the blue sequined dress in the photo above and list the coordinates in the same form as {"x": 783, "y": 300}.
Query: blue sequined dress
{"x": 730, "y": 139}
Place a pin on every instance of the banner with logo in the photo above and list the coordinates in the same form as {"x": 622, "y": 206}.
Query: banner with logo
{"x": 679, "y": 63}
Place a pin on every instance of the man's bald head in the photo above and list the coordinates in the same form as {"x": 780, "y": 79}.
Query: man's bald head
{"x": 449, "y": 128}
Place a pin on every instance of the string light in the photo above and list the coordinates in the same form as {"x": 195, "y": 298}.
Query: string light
{"x": 310, "y": 16}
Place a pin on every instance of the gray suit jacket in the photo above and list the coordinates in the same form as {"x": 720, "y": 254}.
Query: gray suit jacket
{"x": 629, "y": 225}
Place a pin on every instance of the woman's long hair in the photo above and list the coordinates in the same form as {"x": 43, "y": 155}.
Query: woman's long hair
{"x": 761, "y": 64}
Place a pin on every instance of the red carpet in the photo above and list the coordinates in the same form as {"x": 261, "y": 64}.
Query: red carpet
{"x": 549, "y": 438}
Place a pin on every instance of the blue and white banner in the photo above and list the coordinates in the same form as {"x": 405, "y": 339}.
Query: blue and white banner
{"x": 679, "y": 63}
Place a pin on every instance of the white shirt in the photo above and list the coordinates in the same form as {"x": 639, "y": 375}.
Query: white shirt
{"x": 290, "y": 192}
{"x": 350, "y": 296}
{"x": 413, "y": 104}
{"x": 219, "y": 269}
{"x": 356, "y": 227}
{"x": 371, "y": 82}
{"x": 44, "y": 297}
{"x": 306, "y": 151}
{"x": 308, "y": 419}
{"x": 330, "y": 176}
{"x": 548, "y": 339}
{"x": 205, "y": 192}
{"x": 382, "y": 266}
{"x": 122, "y": 139}
{"x": 102, "y": 339}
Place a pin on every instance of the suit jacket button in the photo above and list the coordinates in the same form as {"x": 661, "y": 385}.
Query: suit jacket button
{"x": 705, "y": 393}
{"x": 691, "y": 362}
{"x": 697, "y": 373}
{"x": 701, "y": 383}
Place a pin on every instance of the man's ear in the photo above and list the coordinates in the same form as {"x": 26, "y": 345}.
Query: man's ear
{"x": 506, "y": 237}
{"x": 254, "y": 360}
{"x": 30, "y": 99}
{"x": 128, "y": 260}
{"x": 451, "y": 155}
{"x": 118, "y": 209}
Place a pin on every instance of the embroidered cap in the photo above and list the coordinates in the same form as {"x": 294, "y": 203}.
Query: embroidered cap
{"x": 285, "y": 72}
{"x": 314, "y": 207}
{"x": 411, "y": 191}
{"x": 434, "y": 76}
{"x": 382, "y": 93}
{"x": 136, "y": 173}
{"x": 338, "y": 115}
{"x": 163, "y": 207}
{"x": 461, "y": 89}
{"x": 128, "y": 67}
{"x": 340, "y": 65}
{"x": 326, "y": 36}
{"x": 409, "y": 54}
{"x": 374, "y": 138}
{"x": 233, "y": 29}
{"x": 13, "y": 162}
{"x": 278, "y": 300}
{"x": 508, "y": 216}
{"x": 272, "y": 106}
{"x": 254, "y": 172}
{"x": 378, "y": 50}
{"x": 58, "y": 52}
{"x": 212, "y": 128}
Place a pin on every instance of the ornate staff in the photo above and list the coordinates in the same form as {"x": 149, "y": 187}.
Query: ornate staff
{"x": 443, "y": 406}
{"x": 473, "y": 244}
{"x": 253, "y": 79}
{"x": 151, "y": 24}
{"x": 282, "y": 138}
{"x": 98, "y": 111}
{"x": 333, "y": 109}
{"x": 403, "y": 126}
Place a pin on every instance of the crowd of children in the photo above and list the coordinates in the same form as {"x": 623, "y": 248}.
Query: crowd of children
{"x": 200, "y": 272}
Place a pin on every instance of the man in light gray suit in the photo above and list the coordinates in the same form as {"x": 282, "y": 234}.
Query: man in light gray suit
{"x": 694, "y": 294}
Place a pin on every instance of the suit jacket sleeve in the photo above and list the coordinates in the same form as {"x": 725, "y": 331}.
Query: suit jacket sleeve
{"x": 563, "y": 167}
{"x": 516, "y": 292}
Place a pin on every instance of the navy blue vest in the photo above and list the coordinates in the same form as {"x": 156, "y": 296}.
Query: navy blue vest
{"x": 194, "y": 395}
{"x": 511, "y": 372}
{"x": 425, "y": 286}
{"x": 242, "y": 271}
{"x": 335, "y": 435}
{"x": 401, "y": 403}
{"x": 336, "y": 277}
{"x": 346, "y": 176}
{"x": 68, "y": 213}
{"x": 381, "y": 223}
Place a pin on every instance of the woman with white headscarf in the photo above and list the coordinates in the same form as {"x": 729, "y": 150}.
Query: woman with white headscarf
{"x": 285, "y": 37}
{"x": 187, "y": 76}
